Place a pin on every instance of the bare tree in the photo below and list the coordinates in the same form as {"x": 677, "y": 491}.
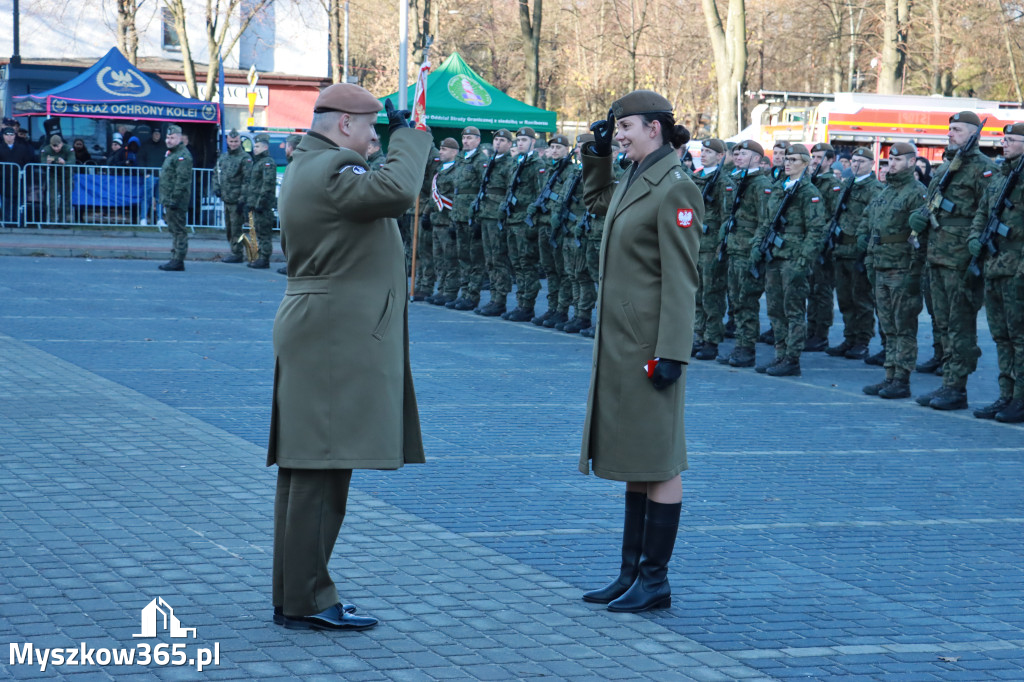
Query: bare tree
{"x": 894, "y": 47}
{"x": 127, "y": 32}
{"x": 530, "y": 29}
{"x": 1005, "y": 21}
{"x": 729, "y": 45}
{"x": 632, "y": 27}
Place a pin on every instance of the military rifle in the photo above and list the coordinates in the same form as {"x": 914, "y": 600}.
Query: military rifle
{"x": 505, "y": 210}
{"x": 773, "y": 238}
{"x": 566, "y": 214}
{"x": 708, "y": 187}
{"x": 474, "y": 208}
{"x": 730, "y": 222}
{"x": 540, "y": 203}
{"x": 834, "y": 230}
{"x": 995, "y": 226}
{"x": 935, "y": 199}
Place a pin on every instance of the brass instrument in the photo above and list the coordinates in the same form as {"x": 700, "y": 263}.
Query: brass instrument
{"x": 249, "y": 240}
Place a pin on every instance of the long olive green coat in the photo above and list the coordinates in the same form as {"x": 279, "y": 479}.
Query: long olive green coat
{"x": 646, "y": 303}
{"x": 343, "y": 390}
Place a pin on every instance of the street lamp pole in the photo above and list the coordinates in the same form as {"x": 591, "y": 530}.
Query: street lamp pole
{"x": 403, "y": 51}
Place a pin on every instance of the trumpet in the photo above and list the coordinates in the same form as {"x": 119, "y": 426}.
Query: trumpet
{"x": 249, "y": 241}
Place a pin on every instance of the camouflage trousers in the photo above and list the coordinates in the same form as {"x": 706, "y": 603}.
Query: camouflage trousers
{"x": 898, "y": 309}
{"x": 1005, "y": 312}
{"x": 179, "y": 232}
{"x": 926, "y": 291}
{"x": 499, "y": 267}
{"x": 522, "y": 251}
{"x": 712, "y": 284}
{"x": 264, "y": 223}
{"x": 577, "y": 288}
{"x": 446, "y": 260}
{"x": 856, "y": 302}
{"x": 956, "y": 305}
{"x": 426, "y": 274}
{"x": 234, "y": 224}
{"x": 552, "y": 262}
{"x": 786, "y": 291}
{"x": 820, "y": 298}
{"x": 471, "y": 259}
{"x": 745, "y": 297}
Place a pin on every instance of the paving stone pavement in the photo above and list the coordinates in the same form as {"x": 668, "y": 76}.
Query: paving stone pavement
{"x": 825, "y": 534}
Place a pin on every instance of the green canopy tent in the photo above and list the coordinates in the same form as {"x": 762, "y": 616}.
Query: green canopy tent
{"x": 457, "y": 97}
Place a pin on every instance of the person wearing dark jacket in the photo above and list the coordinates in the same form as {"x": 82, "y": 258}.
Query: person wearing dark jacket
{"x": 17, "y": 154}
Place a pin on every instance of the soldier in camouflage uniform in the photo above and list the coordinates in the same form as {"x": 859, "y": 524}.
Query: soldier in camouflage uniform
{"x": 884, "y": 232}
{"x": 746, "y": 203}
{"x": 956, "y": 301}
{"x": 229, "y": 180}
{"x": 525, "y": 185}
{"x": 822, "y": 282}
{"x": 712, "y": 281}
{"x": 1004, "y": 305}
{"x": 786, "y": 275}
{"x": 261, "y": 198}
{"x": 549, "y": 235}
{"x": 853, "y": 289}
{"x": 469, "y": 173}
{"x": 175, "y": 195}
{"x": 446, "y": 254}
{"x": 571, "y": 213}
{"x": 375, "y": 158}
{"x": 491, "y": 195}
{"x": 426, "y": 273}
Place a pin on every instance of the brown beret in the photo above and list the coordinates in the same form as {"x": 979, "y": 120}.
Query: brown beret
{"x": 780, "y": 144}
{"x": 864, "y": 153}
{"x": 641, "y": 102}
{"x": 752, "y": 146}
{"x": 902, "y": 148}
{"x": 450, "y": 143}
{"x": 584, "y": 138}
{"x": 527, "y": 131}
{"x": 824, "y": 147}
{"x": 714, "y": 144}
{"x": 348, "y": 98}
{"x": 797, "y": 149}
{"x": 1014, "y": 129}
{"x": 560, "y": 139}
{"x": 505, "y": 133}
{"x": 965, "y": 117}
{"x": 471, "y": 130}
{"x": 173, "y": 129}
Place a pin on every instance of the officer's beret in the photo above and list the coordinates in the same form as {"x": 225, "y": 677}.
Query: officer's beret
{"x": 864, "y": 153}
{"x": 55, "y": 139}
{"x": 824, "y": 147}
{"x": 8, "y": 130}
{"x": 505, "y": 133}
{"x": 752, "y": 146}
{"x": 173, "y": 129}
{"x": 641, "y": 102}
{"x": 293, "y": 140}
{"x": 1014, "y": 129}
{"x": 714, "y": 144}
{"x": 560, "y": 139}
{"x": 901, "y": 148}
{"x": 262, "y": 137}
{"x": 527, "y": 131}
{"x": 348, "y": 98}
{"x": 471, "y": 130}
{"x": 232, "y": 133}
{"x": 965, "y": 117}
{"x": 584, "y": 138}
{"x": 450, "y": 143}
{"x": 797, "y": 150}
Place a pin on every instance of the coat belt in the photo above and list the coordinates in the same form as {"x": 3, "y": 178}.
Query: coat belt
{"x": 308, "y": 285}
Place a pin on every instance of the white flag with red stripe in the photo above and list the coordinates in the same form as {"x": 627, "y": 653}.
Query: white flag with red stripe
{"x": 419, "y": 100}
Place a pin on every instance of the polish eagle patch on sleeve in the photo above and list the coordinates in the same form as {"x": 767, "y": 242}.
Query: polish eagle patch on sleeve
{"x": 684, "y": 217}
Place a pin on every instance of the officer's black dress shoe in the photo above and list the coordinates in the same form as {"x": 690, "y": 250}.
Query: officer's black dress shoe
{"x": 990, "y": 411}
{"x": 332, "y": 618}
{"x": 279, "y": 614}
{"x": 260, "y": 264}
{"x": 233, "y": 258}
{"x": 172, "y": 266}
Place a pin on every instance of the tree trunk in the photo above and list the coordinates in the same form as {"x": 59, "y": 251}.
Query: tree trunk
{"x": 936, "y": 47}
{"x": 729, "y": 46}
{"x": 127, "y": 33}
{"x": 334, "y": 40}
{"x": 1010, "y": 52}
{"x": 531, "y": 47}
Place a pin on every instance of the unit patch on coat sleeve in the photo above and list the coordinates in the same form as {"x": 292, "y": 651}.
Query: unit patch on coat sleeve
{"x": 358, "y": 170}
{"x": 684, "y": 217}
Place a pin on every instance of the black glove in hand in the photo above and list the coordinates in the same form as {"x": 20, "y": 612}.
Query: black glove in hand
{"x": 666, "y": 373}
{"x": 603, "y": 133}
{"x": 397, "y": 118}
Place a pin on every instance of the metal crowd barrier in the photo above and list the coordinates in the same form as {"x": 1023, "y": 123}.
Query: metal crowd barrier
{"x": 11, "y": 194}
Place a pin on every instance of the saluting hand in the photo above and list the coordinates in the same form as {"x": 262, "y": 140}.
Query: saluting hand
{"x": 603, "y": 133}
{"x": 397, "y": 118}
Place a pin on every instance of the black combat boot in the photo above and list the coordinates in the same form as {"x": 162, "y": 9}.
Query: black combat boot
{"x": 588, "y": 332}
{"x": 742, "y": 357}
{"x": 926, "y": 399}
{"x": 876, "y": 360}
{"x": 815, "y": 344}
{"x": 233, "y": 258}
{"x": 577, "y": 325}
{"x": 1012, "y": 413}
{"x": 858, "y": 351}
{"x": 929, "y": 366}
{"x": 898, "y": 388}
{"x": 698, "y": 343}
{"x": 768, "y": 337}
{"x": 632, "y": 549}
{"x": 949, "y": 398}
{"x": 875, "y": 389}
{"x": 730, "y": 329}
{"x": 520, "y": 315}
{"x": 763, "y": 369}
{"x": 465, "y": 304}
{"x": 557, "y": 318}
{"x": 173, "y": 265}
{"x": 260, "y": 263}
{"x": 450, "y": 305}
{"x": 492, "y": 309}
{"x": 789, "y": 367}
{"x": 539, "y": 320}
{"x": 840, "y": 350}
{"x": 990, "y": 411}
{"x": 708, "y": 351}
{"x": 651, "y": 590}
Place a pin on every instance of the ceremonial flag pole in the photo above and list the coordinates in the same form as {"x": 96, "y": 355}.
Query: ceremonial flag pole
{"x": 419, "y": 117}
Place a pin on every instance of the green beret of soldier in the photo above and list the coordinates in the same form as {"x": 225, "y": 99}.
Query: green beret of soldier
{"x": 471, "y": 130}
{"x": 526, "y": 131}
{"x": 262, "y": 137}
{"x": 293, "y": 140}
{"x": 965, "y": 117}
{"x": 752, "y": 146}
{"x": 798, "y": 150}
{"x": 640, "y": 102}
{"x": 560, "y": 139}
{"x": 1014, "y": 129}
{"x": 824, "y": 147}
{"x": 902, "y": 148}
{"x": 505, "y": 133}
{"x": 584, "y": 138}
{"x": 714, "y": 144}
{"x": 864, "y": 153}
{"x": 450, "y": 143}
{"x": 347, "y": 98}
{"x": 173, "y": 130}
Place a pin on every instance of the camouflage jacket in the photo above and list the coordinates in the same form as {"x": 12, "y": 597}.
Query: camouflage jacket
{"x": 569, "y": 201}
{"x": 500, "y": 172}
{"x": 947, "y": 245}
{"x": 884, "y": 223}
{"x": 754, "y": 191}
{"x": 445, "y": 185}
{"x": 66, "y": 153}
{"x": 1010, "y": 254}
{"x": 804, "y": 229}
{"x": 469, "y": 172}
{"x": 426, "y": 203}
{"x": 860, "y": 196}
{"x": 231, "y": 175}
{"x": 261, "y": 190}
{"x": 830, "y": 190}
{"x": 555, "y": 175}
{"x": 714, "y": 205}
{"x": 376, "y": 160}
{"x": 528, "y": 184}
{"x": 176, "y": 177}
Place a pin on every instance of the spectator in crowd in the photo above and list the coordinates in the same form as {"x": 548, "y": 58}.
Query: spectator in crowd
{"x": 116, "y": 147}
{"x": 152, "y": 151}
{"x": 60, "y": 158}
{"x": 923, "y": 170}
{"x": 82, "y": 155}
{"x": 13, "y": 156}
{"x": 126, "y": 156}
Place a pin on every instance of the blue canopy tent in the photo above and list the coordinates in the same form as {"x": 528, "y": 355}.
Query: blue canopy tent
{"x": 114, "y": 89}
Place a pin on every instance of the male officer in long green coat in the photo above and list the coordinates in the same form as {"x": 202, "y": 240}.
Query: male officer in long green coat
{"x": 175, "y": 195}
{"x": 229, "y": 182}
{"x": 343, "y": 391}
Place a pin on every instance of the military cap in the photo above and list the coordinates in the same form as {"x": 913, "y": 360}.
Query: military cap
{"x": 173, "y": 129}
{"x": 1014, "y": 129}
{"x": 584, "y": 138}
{"x": 965, "y": 117}
{"x": 450, "y": 143}
{"x": 54, "y": 139}
{"x": 8, "y": 130}
{"x": 714, "y": 144}
{"x": 641, "y": 102}
{"x": 262, "y": 137}
{"x": 527, "y": 131}
{"x": 824, "y": 147}
{"x": 471, "y": 130}
{"x": 293, "y": 140}
{"x": 348, "y": 98}
{"x": 864, "y": 153}
{"x": 560, "y": 139}
{"x": 901, "y": 148}
{"x": 505, "y": 133}
{"x": 752, "y": 146}
{"x": 232, "y": 133}
{"x": 8, "y": 121}
{"x": 797, "y": 149}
